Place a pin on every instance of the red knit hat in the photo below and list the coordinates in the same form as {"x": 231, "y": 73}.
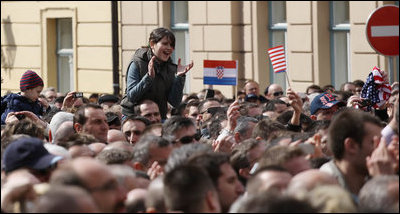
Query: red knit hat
{"x": 30, "y": 80}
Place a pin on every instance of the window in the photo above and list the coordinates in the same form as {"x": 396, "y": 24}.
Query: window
{"x": 65, "y": 75}
{"x": 277, "y": 36}
{"x": 340, "y": 43}
{"x": 180, "y": 27}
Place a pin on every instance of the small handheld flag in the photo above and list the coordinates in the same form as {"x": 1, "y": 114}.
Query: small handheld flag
{"x": 220, "y": 72}
{"x": 376, "y": 89}
{"x": 278, "y": 60}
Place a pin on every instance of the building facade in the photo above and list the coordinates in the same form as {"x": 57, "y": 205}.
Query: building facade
{"x": 69, "y": 44}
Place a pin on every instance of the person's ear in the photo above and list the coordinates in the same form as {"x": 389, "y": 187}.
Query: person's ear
{"x": 78, "y": 127}
{"x": 50, "y": 136}
{"x": 152, "y": 43}
{"x": 212, "y": 202}
{"x": 258, "y": 138}
{"x": 350, "y": 146}
{"x": 245, "y": 172}
{"x": 138, "y": 166}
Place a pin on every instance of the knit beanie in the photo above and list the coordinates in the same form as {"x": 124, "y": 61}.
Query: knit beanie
{"x": 30, "y": 80}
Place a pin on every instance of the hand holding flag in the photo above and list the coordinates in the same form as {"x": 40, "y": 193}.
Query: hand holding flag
{"x": 376, "y": 88}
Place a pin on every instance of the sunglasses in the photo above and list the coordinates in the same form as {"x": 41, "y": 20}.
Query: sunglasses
{"x": 189, "y": 139}
{"x": 214, "y": 110}
{"x": 278, "y": 93}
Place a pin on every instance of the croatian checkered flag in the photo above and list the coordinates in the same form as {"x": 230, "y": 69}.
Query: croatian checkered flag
{"x": 376, "y": 89}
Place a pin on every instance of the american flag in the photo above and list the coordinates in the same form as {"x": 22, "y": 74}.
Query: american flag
{"x": 277, "y": 56}
{"x": 376, "y": 89}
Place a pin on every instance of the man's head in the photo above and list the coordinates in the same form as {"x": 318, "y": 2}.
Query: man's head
{"x": 324, "y": 106}
{"x": 266, "y": 179}
{"x": 58, "y": 119}
{"x": 30, "y": 153}
{"x": 223, "y": 176}
{"x": 190, "y": 189}
{"x": 205, "y": 105}
{"x": 308, "y": 180}
{"x": 115, "y": 135}
{"x": 50, "y": 94}
{"x": 182, "y": 129}
{"x": 150, "y": 149}
{"x": 350, "y": 137}
{"x": 274, "y": 91}
{"x": 113, "y": 120}
{"x": 193, "y": 111}
{"x": 380, "y": 195}
{"x": 359, "y": 85}
{"x": 133, "y": 128}
{"x": 96, "y": 178}
{"x": 91, "y": 119}
{"x": 108, "y": 100}
{"x": 348, "y": 86}
{"x": 288, "y": 157}
{"x": 252, "y": 87}
{"x": 245, "y": 155}
{"x": 150, "y": 110}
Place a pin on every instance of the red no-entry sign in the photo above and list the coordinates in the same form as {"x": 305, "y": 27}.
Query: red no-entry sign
{"x": 383, "y": 30}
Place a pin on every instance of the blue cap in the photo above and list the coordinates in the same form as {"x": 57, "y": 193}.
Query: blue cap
{"x": 323, "y": 101}
{"x": 28, "y": 152}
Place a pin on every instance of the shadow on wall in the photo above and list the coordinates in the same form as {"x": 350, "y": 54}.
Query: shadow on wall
{"x": 8, "y": 48}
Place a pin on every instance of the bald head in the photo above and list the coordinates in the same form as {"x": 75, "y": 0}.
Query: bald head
{"x": 114, "y": 135}
{"x": 309, "y": 179}
{"x": 274, "y": 92}
{"x": 64, "y": 131}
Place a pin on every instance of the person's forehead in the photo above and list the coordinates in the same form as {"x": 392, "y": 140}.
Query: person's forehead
{"x": 212, "y": 103}
{"x": 274, "y": 88}
{"x": 251, "y": 85}
{"x": 227, "y": 170}
{"x": 133, "y": 124}
{"x": 95, "y": 113}
{"x": 185, "y": 131}
{"x": 152, "y": 107}
{"x": 193, "y": 109}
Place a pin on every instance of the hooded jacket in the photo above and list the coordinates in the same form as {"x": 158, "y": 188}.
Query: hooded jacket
{"x": 17, "y": 102}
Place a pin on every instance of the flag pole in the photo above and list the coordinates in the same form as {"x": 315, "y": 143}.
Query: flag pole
{"x": 287, "y": 78}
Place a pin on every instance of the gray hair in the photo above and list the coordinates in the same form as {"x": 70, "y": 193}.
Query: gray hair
{"x": 57, "y": 120}
{"x": 379, "y": 194}
{"x": 141, "y": 150}
{"x": 243, "y": 124}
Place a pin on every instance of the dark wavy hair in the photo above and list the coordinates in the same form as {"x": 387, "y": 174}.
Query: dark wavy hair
{"x": 157, "y": 34}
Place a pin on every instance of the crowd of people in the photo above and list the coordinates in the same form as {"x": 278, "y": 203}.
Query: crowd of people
{"x": 152, "y": 150}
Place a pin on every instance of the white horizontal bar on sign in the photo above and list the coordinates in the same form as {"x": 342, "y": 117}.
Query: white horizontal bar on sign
{"x": 385, "y": 31}
{"x": 212, "y": 72}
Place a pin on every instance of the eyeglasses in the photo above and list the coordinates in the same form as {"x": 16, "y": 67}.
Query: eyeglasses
{"x": 278, "y": 93}
{"x": 189, "y": 139}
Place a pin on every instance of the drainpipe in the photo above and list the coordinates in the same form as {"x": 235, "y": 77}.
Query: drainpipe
{"x": 114, "y": 37}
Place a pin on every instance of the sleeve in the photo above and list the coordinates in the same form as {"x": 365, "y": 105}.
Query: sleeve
{"x": 136, "y": 86}
{"x": 294, "y": 128}
{"x": 176, "y": 93}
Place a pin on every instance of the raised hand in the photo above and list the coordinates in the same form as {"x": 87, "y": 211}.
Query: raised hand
{"x": 150, "y": 67}
{"x": 183, "y": 69}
